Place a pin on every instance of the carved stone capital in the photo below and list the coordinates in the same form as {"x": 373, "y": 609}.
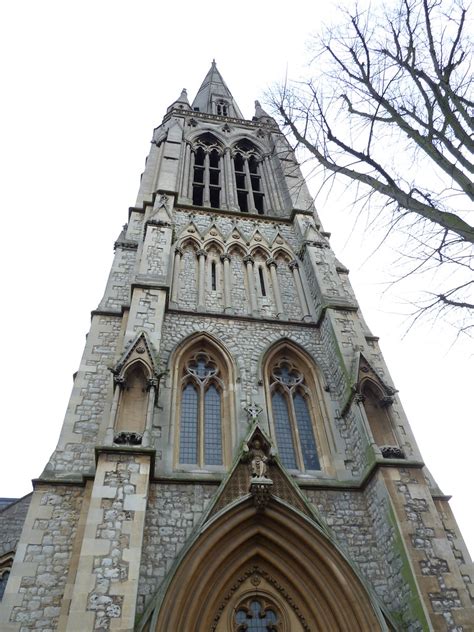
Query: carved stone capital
{"x": 201, "y": 253}
{"x": 225, "y": 257}
{"x": 293, "y": 265}
{"x": 248, "y": 259}
{"x": 178, "y": 251}
{"x": 359, "y": 398}
{"x": 271, "y": 262}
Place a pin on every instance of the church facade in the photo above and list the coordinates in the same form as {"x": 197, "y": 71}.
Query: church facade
{"x": 234, "y": 455}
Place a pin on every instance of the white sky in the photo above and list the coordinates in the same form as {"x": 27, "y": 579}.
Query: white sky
{"x": 84, "y": 84}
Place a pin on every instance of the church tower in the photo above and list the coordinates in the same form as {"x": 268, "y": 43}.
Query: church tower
{"x": 234, "y": 455}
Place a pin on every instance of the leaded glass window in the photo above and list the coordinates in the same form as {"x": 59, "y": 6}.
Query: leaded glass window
{"x": 256, "y": 615}
{"x": 292, "y": 417}
{"x": 200, "y": 435}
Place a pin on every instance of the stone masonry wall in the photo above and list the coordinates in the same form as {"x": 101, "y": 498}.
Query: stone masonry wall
{"x": 35, "y": 591}
{"x": 173, "y": 510}
{"x": 12, "y": 519}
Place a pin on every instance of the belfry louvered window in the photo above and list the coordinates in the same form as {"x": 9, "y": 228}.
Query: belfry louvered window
{"x": 292, "y": 417}
{"x": 248, "y": 181}
{"x": 200, "y": 433}
{"x": 207, "y": 172}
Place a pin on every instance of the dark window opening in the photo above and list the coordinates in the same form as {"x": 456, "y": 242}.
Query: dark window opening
{"x": 242, "y": 199}
{"x": 262, "y": 281}
{"x": 198, "y": 192}
{"x": 196, "y": 109}
{"x": 258, "y": 199}
{"x": 239, "y": 163}
{"x": 255, "y": 183}
{"x": 213, "y": 277}
{"x": 198, "y": 174}
{"x": 214, "y": 159}
{"x": 214, "y": 197}
{"x": 214, "y": 176}
{"x": 199, "y": 157}
{"x": 253, "y": 165}
{"x": 240, "y": 181}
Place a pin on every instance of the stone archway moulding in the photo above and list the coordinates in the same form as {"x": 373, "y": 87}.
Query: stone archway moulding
{"x": 298, "y": 559}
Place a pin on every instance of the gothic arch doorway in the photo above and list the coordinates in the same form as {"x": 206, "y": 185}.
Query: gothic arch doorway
{"x": 272, "y": 567}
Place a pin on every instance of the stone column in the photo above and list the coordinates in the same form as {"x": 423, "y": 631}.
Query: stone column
{"x": 294, "y": 267}
{"x": 152, "y": 386}
{"x": 119, "y": 383}
{"x": 225, "y": 258}
{"x": 248, "y": 180}
{"x": 206, "y": 200}
{"x": 178, "y": 253}
{"x": 248, "y": 260}
{"x": 202, "y": 256}
{"x": 185, "y": 181}
{"x": 230, "y": 181}
{"x": 272, "y": 264}
{"x": 191, "y": 175}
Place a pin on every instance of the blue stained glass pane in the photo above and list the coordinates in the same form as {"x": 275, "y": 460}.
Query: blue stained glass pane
{"x": 189, "y": 426}
{"x": 284, "y": 436}
{"x": 285, "y": 375}
{"x": 257, "y": 620}
{"x": 306, "y": 433}
{"x": 212, "y": 427}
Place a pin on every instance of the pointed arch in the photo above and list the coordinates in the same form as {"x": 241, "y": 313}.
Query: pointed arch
{"x": 286, "y": 554}
{"x": 203, "y": 408}
{"x": 299, "y": 417}
{"x": 133, "y": 402}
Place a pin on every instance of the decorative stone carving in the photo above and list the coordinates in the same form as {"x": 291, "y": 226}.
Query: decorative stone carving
{"x": 225, "y": 257}
{"x": 271, "y": 262}
{"x": 201, "y": 253}
{"x": 253, "y": 411}
{"x": 119, "y": 381}
{"x": 128, "y": 438}
{"x": 392, "y": 452}
{"x": 386, "y": 401}
{"x": 293, "y": 264}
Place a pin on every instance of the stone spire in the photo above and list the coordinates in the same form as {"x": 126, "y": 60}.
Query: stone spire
{"x": 181, "y": 102}
{"x": 213, "y": 90}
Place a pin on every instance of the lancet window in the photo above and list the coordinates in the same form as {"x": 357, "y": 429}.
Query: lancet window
{"x": 248, "y": 180}
{"x": 201, "y": 411}
{"x": 293, "y": 415}
{"x": 222, "y": 108}
{"x": 206, "y": 184}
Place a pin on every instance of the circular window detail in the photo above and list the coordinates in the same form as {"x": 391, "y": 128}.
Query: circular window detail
{"x": 256, "y": 615}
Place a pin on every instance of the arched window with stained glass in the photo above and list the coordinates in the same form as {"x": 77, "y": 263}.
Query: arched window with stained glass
{"x": 297, "y": 410}
{"x": 201, "y": 411}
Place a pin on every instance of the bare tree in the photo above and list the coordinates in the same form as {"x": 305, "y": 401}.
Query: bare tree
{"x": 391, "y": 108}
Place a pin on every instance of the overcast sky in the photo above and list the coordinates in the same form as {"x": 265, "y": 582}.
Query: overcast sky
{"x": 83, "y": 86}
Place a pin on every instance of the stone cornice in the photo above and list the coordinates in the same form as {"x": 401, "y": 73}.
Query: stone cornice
{"x": 271, "y": 321}
{"x": 273, "y": 127}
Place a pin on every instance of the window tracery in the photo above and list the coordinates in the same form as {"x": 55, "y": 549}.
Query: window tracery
{"x": 200, "y": 436}
{"x": 206, "y": 186}
{"x": 256, "y": 614}
{"x": 248, "y": 180}
{"x": 293, "y": 417}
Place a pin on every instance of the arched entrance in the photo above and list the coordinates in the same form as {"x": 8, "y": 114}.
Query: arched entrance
{"x": 260, "y": 569}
